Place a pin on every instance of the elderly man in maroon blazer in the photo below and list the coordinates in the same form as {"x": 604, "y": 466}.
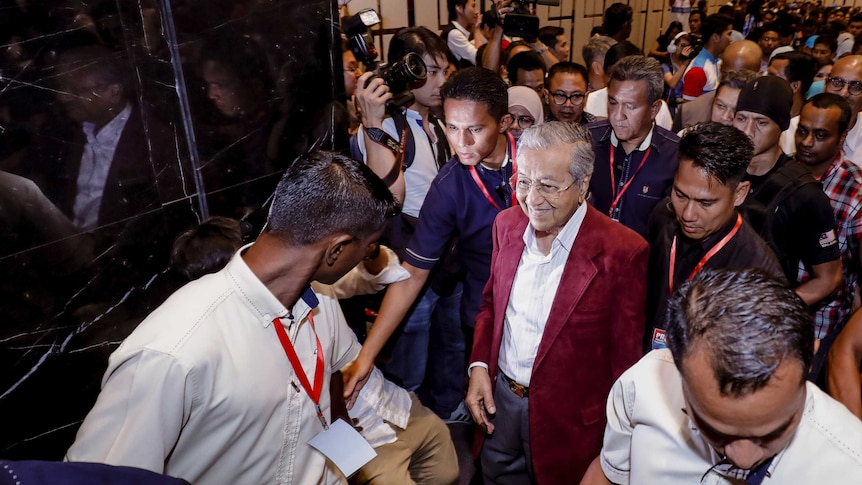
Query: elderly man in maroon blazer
{"x": 562, "y": 317}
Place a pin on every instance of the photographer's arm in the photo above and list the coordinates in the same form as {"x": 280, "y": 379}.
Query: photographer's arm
{"x": 371, "y": 97}
{"x": 492, "y": 55}
{"x": 543, "y": 51}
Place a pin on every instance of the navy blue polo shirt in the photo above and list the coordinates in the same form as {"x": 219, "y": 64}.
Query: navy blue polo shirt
{"x": 456, "y": 206}
{"x": 648, "y": 186}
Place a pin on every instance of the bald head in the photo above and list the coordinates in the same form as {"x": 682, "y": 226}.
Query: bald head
{"x": 742, "y": 54}
{"x": 847, "y": 71}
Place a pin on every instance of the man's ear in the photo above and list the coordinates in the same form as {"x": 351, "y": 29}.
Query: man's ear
{"x": 654, "y": 108}
{"x": 335, "y": 247}
{"x": 741, "y": 193}
{"x": 505, "y": 122}
{"x": 796, "y": 86}
{"x": 596, "y": 68}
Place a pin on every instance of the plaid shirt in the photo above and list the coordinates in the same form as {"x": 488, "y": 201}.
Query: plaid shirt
{"x": 842, "y": 183}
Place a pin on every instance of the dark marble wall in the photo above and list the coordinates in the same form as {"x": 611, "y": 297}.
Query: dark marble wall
{"x": 223, "y": 95}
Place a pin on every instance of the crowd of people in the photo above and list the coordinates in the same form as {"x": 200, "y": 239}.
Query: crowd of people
{"x": 639, "y": 269}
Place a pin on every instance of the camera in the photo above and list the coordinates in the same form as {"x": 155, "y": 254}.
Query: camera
{"x": 521, "y": 22}
{"x": 399, "y": 75}
{"x": 696, "y": 46}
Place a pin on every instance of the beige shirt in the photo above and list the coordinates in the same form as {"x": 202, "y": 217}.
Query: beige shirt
{"x": 202, "y": 389}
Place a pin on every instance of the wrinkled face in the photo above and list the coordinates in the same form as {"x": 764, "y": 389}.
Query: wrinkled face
{"x": 521, "y": 119}
{"x": 566, "y": 84}
{"x": 701, "y": 203}
{"x": 224, "y": 90}
{"x": 768, "y": 42}
{"x": 822, "y": 54}
{"x": 551, "y": 169}
{"x": 561, "y": 50}
{"x": 471, "y": 130}
{"x": 629, "y": 111}
{"x": 749, "y": 429}
{"x": 429, "y": 93}
{"x": 762, "y": 131}
{"x": 694, "y": 23}
{"x": 849, "y": 70}
{"x": 534, "y": 80}
{"x": 87, "y": 97}
{"x": 817, "y": 138}
{"x": 724, "y": 105}
{"x": 351, "y": 72}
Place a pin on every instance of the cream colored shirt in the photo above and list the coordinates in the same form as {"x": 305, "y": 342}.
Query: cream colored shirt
{"x": 202, "y": 389}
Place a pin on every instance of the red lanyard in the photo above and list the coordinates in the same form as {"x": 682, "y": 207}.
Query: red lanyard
{"x": 313, "y": 392}
{"x": 706, "y": 257}
{"x": 626, "y": 186}
{"x": 475, "y": 174}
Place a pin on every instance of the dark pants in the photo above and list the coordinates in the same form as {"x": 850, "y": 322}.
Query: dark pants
{"x": 506, "y": 457}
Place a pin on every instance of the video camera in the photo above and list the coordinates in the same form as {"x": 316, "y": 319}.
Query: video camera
{"x": 400, "y": 75}
{"x": 521, "y": 22}
{"x": 696, "y": 46}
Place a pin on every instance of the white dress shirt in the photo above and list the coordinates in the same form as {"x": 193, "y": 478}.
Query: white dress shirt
{"x": 537, "y": 280}
{"x": 95, "y": 165}
{"x": 853, "y": 142}
{"x": 460, "y": 45}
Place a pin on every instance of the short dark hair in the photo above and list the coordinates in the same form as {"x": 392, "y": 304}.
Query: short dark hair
{"x": 418, "y": 40}
{"x": 640, "y": 68}
{"x": 801, "y": 67}
{"x": 747, "y": 321}
{"x": 243, "y": 58}
{"x": 828, "y": 100}
{"x": 855, "y": 18}
{"x": 829, "y": 40}
{"x": 618, "y": 51}
{"x": 720, "y": 151}
{"x": 105, "y": 62}
{"x": 451, "y": 4}
{"x": 548, "y": 35}
{"x": 714, "y": 24}
{"x": 527, "y": 61}
{"x": 324, "y": 193}
{"x": 479, "y": 85}
{"x": 206, "y": 247}
{"x": 566, "y": 67}
{"x": 616, "y": 17}
{"x": 488, "y": 20}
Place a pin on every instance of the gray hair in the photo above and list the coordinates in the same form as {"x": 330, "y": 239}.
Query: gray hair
{"x": 596, "y": 48}
{"x": 746, "y": 321}
{"x": 640, "y": 68}
{"x": 553, "y": 134}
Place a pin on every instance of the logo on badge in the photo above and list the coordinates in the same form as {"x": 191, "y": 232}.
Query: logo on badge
{"x": 827, "y": 238}
{"x": 645, "y": 189}
{"x": 659, "y": 339}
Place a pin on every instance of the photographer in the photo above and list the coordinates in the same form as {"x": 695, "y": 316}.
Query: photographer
{"x": 680, "y": 53}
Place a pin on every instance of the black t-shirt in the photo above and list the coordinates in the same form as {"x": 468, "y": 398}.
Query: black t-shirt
{"x": 801, "y": 227}
{"x": 745, "y": 250}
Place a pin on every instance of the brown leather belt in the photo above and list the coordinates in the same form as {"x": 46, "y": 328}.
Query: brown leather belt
{"x": 518, "y": 389}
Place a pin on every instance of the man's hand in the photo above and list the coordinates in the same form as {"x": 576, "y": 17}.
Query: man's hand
{"x": 355, "y": 375}
{"x": 372, "y": 94}
{"x": 480, "y": 398}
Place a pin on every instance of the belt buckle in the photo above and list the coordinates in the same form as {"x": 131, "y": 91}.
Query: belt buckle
{"x": 517, "y": 389}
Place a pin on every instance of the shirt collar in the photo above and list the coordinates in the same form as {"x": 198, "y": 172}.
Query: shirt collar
{"x": 566, "y": 237}
{"x": 462, "y": 29}
{"x": 643, "y": 146}
{"x": 258, "y": 297}
{"x": 112, "y": 130}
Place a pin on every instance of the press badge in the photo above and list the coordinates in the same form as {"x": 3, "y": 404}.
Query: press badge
{"x": 344, "y": 447}
{"x": 658, "y": 339}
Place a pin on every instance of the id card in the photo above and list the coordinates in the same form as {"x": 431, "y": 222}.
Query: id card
{"x": 344, "y": 447}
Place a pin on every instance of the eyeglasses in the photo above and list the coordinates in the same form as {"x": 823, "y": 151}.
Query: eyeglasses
{"x": 351, "y": 69}
{"x": 549, "y": 192}
{"x": 523, "y": 121}
{"x": 853, "y": 87}
{"x": 576, "y": 97}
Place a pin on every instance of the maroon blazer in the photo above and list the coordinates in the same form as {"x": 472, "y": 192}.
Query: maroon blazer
{"x": 594, "y": 333}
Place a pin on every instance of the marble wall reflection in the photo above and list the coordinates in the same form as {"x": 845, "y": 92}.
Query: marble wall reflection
{"x": 122, "y": 123}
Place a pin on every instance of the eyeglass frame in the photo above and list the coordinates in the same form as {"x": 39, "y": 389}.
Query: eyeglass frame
{"x": 850, "y": 85}
{"x": 518, "y": 119}
{"x": 553, "y": 195}
{"x": 569, "y": 97}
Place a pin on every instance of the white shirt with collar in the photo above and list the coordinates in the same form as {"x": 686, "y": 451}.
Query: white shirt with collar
{"x": 597, "y": 105}
{"x": 537, "y": 280}
{"x": 650, "y": 439}
{"x": 460, "y": 44}
{"x": 95, "y": 165}
{"x": 202, "y": 389}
